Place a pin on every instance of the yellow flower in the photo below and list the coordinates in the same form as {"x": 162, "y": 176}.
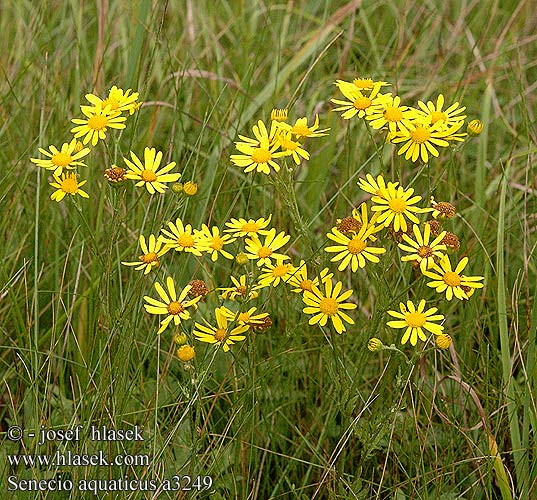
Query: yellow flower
{"x": 446, "y": 117}
{"x": 362, "y": 84}
{"x": 415, "y": 320}
{"x": 374, "y": 344}
{"x": 353, "y": 250}
{"x": 190, "y": 188}
{"x": 148, "y": 173}
{"x": 117, "y": 100}
{"x": 390, "y": 114}
{"x": 422, "y": 137}
{"x": 151, "y": 253}
{"x": 275, "y": 274}
{"x": 257, "y": 154}
{"x": 248, "y": 317}
{"x": 212, "y": 242}
{"x": 291, "y": 148}
{"x": 375, "y": 187}
{"x": 396, "y": 204}
{"x": 241, "y": 289}
{"x": 243, "y": 227}
{"x": 420, "y": 249}
{"x": 442, "y": 209}
{"x": 358, "y": 102}
{"x": 98, "y": 120}
{"x": 181, "y": 238}
{"x": 452, "y": 281}
{"x": 300, "y": 281}
{"x": 173, "y": 305}
{"x": 67, "y": 184}
{"x": 222, "y": 334}
{"x": 475, "y": 127}
{"x": 359, "y": 219}
{"x": 279, "y": 115}
{"x": 329, "y": 304}
{"x": 266, "y": 250}
{"x": 443, "y": 341}
{"x": 186, "y": 353}
{"x": 300, "y": 129}
{"x": 65, "y": 158}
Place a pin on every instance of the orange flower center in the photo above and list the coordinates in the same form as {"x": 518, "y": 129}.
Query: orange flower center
{"x": 69, "y": 185}
{"x": 452, "y": 279}
{"x": 241, "y": 290}
{"x": 98, "y": 122}
{"x": 261, "y": 155}
{"x": 175, "y": 308}
{"x": 420, "y": 135}
{"x": 148, "y": 176}
{"x": 362, "y": 103}
{"x": 220, "y": 334}
{"x": 398, "y": 205}
{"x": 437, "y": 116}
{"x": 425, "y": 252}
{"x": 306, "y": 285}
{"x": 250, "y": 227}
{"x": 264, "y": 252}
{"x": 217, "y": 243}
{"x": 185, "y": 240}
{"x": 280, "y": 271}
{"x": 415, "y": 319}
{"x": 149, "y": 258}
{"x": 329, "y": 306}
{"x": 356, "y": 246}
{"x": 62, "y": 159}
{"x": 392, "y": 114}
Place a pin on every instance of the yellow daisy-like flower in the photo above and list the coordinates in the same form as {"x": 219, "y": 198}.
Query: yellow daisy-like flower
{"x": 390, "y": 114}
{"x": 375, "y": 187}
{"x": 186, "y": 353}
{"x": 291, "y": 148}
{"x": 152, "y": 251}
{"x": 65, "y": 158}
{"x": 421, "y": 139}
{"x": 117, "y": 100}
{"x": 173, "y": 305}
{"x": 241, "y": 290}
{"x": 279, "y": 114}
{"x": 358, "y": 103}
{"x": 266, "y": 250}
{"x": 222, "y": 334}
{"x": 445, "y": 279}
{"x": 362, "y": 84}
{"x": 328, "y": 305}
{"x": 249, "y": 317}
{"x": 181, "y": 238}
{"x": 300, "y": 129}
{"x": 243, "y": 227}
{"x": 415, "y": 320}
{"x": 275, "y": 274}
{"x": 443, "y": 341}
{"x": 353, "y": 250}
{"x": 420, "y": 249}
{"x": 67, "y": 184}
{"x": 300, "y": 281}
{"x": 446, "y": 117}
{"x": 99, "y": 119}
{"x": 212, "y": 242}
{"x": 396, "y": 204}
{"x": 148, "y": 174}
{"x": 257, "y": 154}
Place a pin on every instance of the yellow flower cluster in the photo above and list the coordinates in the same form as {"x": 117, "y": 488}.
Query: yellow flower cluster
{"x": 419, "y": 130}
{"x": 100, "y": 115}
{"x": 395, "y": 211}
{"x": 281, "y": 140}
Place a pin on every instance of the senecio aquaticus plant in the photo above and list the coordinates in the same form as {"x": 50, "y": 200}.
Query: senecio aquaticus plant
{"x": 356, "y": 241}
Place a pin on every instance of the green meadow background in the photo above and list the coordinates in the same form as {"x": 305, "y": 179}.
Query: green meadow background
{"x": 295, "y": 412}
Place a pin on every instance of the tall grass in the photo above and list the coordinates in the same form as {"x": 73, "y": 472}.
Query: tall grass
{"x": 298, "y": 411}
